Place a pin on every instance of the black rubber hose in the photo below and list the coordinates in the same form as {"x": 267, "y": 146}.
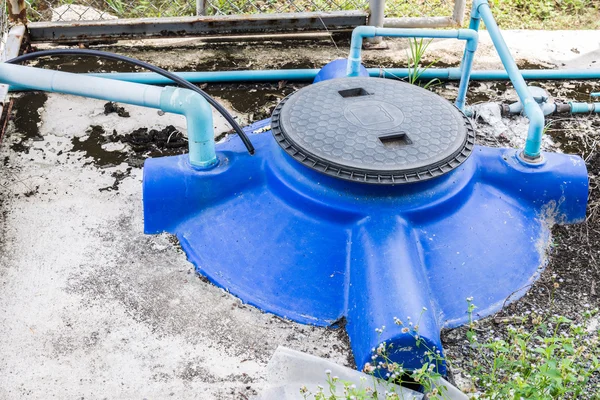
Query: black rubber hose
{"x": 112, "y": 56}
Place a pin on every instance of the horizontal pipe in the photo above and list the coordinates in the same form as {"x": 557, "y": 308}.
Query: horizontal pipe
{"x": 469, "y": 35}
{"x": 584, "y": 108}
{"x": 169, "y": 99}
{"x": 302, "y": 75}
{"x": 361, "y": 32}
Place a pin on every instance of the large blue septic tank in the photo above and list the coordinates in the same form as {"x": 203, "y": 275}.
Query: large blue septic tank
{"x": 368, "y": 200}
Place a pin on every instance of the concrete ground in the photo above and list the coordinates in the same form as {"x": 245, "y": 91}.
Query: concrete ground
{"x": 92, "y": 308}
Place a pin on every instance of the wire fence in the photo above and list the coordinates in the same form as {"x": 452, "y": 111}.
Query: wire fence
{"x": 3, "y": 32}
{"x": 84, "y": 10}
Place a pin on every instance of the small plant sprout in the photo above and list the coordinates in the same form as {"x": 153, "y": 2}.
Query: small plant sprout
{"x": 382, "y": 366}
{"x": 543, "y": 356}
{"x": 417, "y": 48}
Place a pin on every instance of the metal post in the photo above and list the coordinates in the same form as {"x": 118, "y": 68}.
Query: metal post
{"x": 376, "y": 16}
{"x": 200, "y": 7}
{"x": 458, "y": 14}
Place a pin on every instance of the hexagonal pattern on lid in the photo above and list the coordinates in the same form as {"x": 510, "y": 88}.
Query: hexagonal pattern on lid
{"x": 373, "y": 130}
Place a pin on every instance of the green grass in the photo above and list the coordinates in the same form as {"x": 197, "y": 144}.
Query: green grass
{"x": 510, "y": 14}
{"x": 547, "y": 14}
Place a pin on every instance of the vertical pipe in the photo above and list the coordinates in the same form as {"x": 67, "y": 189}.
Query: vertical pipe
{"x": 376, "y": 16}
{"x": 354, "y": 58}
{"x": 475, "y": 18}
{"x": 199, "y": 120}
{"x": 466, "y": 65}
{"x": 532, "y": 110}
{"x": 463, "y": 86}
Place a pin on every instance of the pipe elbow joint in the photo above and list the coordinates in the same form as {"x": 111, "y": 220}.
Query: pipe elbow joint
{"x": 361, "y": 32}
{"x": 536, "y": 129}
{"x": 354, "y": 58}
{"x": 198, "y": 114}
{"x": 183, "y": 101}
{"x": 479, "y": 3}
{"x": 471, "y": 36}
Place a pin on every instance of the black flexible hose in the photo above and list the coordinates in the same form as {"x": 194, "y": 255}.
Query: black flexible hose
{"x": 111, "y": 56}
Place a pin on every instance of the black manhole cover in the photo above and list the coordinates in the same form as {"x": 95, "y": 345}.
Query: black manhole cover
{"x": 373, "y": 130}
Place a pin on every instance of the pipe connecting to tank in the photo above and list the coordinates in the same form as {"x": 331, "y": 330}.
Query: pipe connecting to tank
{"x": 481, "y": 11}
{"x": 469, "y": 35}
{"x": 185, "y": 102}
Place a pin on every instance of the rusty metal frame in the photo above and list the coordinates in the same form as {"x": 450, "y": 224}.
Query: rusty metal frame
{"x": 83, "y": 31}
{"x": 11, "y": 48}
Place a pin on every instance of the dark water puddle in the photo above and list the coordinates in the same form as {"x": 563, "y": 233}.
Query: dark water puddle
{"x": 92, "y": 148}
{"x": 119, "y": 176}
{"x": 236, "y": 62}
{"x": 559, "y": 130}
{"x": 524, "y": 64}
{"x": 229, "y": 60}
{"x": 26, "y": 119}
{"x": 85, "y": 64}
{"x": 143, "y": 143}
{"x": 257, "y": 100}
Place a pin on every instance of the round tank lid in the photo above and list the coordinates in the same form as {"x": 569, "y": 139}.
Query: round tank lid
{"x": 373, "y": 130}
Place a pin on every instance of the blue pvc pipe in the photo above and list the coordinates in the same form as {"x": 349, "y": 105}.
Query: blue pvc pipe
{"x": 169, "y": 99}
{"x": 471, "y": 36}
{"x": 533, "y": 143}
{"x": 584, "y": 108}
{"x": 443, "y": 74}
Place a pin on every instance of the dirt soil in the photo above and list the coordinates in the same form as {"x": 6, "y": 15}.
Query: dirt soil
{"x": 575, "y": 251}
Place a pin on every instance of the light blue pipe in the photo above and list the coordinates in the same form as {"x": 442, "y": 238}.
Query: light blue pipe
{"x": 169, "y": 99}
{"x": 481, "y": 9}
{"x": 584, "y": 108}
{"x": 547, "y": 108}
{"x": 471, "y": 36}
{"x": 443, "y": 74}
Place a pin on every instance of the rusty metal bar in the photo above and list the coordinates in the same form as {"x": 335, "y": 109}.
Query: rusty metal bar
{"x": 10, "y": 50}
{"x": 83, "y": 31}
